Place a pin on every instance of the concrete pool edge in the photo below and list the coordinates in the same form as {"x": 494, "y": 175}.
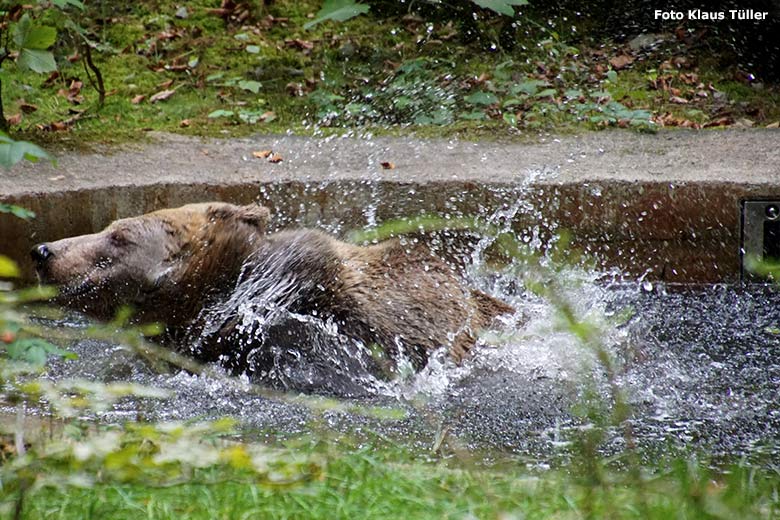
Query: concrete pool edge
{"x": 637, "y": 210}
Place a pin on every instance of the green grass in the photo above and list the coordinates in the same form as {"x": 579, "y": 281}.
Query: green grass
{"x": 384, "y": 483}
{"x": 358, "y": 63}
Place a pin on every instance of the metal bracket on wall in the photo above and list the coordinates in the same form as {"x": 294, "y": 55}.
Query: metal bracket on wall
{"x": 760, "y": 249}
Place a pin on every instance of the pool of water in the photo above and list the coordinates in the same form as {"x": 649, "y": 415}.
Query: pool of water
{"x": 698, "y": 365}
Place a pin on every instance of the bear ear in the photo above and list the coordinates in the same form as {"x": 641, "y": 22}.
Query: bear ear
{"x": 253, "y": 214}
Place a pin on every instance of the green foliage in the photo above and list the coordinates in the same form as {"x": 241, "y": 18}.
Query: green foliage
{"x": 20, "y": 341}
{"x": 386, "y": 482}
{"x": 422, "y": 224}
{"x": 155, "y": 455}
{"x": 481, "y": 98}
{"x": 29, "y": 36}
{"x": 501, "y": 6}
{"x": 11, "y": 152}
{"x": 22, "y": 213}
{"x": 151, "y": 454}
{"x": 35, "y": 351}
{"x": 221, "y": 113}
{"x": 8, "y": 268}
{"x": 32, "y": 41}
{"x": 421, "y": 92}
{"x": 763, "y": 268}
{"x": 242, "y": 113}
{"x": 357, "y": 76}
{"x": 62, "y": 4}
{"x": 343, "y": 10}
{"x": 251, "y": 86}
{"x": 412, "y": 95}
{"x": 337, "y": 10}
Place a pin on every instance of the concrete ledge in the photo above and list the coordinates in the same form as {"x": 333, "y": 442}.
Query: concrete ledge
{"x": 668, "y": 203}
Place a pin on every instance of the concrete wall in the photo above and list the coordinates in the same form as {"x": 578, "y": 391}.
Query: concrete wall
{"x": 687, "y": 232}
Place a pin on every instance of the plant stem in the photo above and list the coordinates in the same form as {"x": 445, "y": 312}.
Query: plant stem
{"x": 19, "y": 429}
{"x": 20, "y": 501}
{"x": 3, "y": 121}
{"x": 100, "y": 87}
{"x": 4, "y": 54}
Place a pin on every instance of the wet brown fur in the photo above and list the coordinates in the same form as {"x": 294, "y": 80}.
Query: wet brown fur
{"x": 391, "y": 295}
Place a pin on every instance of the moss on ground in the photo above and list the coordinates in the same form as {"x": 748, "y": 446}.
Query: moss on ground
{"x": 387, "y": 75}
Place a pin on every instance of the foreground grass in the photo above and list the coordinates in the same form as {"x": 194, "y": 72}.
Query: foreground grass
{"x": 371, "y": 483}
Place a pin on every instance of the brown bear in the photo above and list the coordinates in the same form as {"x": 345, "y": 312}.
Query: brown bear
{"x": 261, "y": 303}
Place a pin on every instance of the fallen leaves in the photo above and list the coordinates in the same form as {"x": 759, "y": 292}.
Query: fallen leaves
{"x": 668, "y": 119}
{"x": 270, "y": 20}
{"x": 73, "y": 93}
{"x": 721, "y": 121}
{"x": 273, "y": 157}
{"x": 687, "y": 88}
{"x": 252, "y": 117}
{"x": 621, "y": 62}
{"x": 301, "y": 45}
{"x": 15, "y": 119}
{"x": 296, "y": 89}
{"x": 55, "y": 126}
{"x": 590, "y": 85}
{"x": 54, "y": 76}
{"x": 24, "y": 109}
{"x": 234, "y": 12}
{"x": 27, "y": 108}
{"x": 162, "y": 95}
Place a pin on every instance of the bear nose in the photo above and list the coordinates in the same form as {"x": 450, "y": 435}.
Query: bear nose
{"x": 40, "y": 253}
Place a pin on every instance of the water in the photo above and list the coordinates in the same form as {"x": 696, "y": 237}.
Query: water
{"x": 699, "y": 365}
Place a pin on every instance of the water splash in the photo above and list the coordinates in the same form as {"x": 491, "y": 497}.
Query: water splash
{"x": 272, "y": 340}
{"x": 698, "y": 365}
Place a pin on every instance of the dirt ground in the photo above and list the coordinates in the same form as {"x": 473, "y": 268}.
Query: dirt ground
{"x": 740, "y": 156}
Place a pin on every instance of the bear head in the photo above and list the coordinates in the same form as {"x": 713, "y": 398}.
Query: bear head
{"x": 164, "y": 264}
